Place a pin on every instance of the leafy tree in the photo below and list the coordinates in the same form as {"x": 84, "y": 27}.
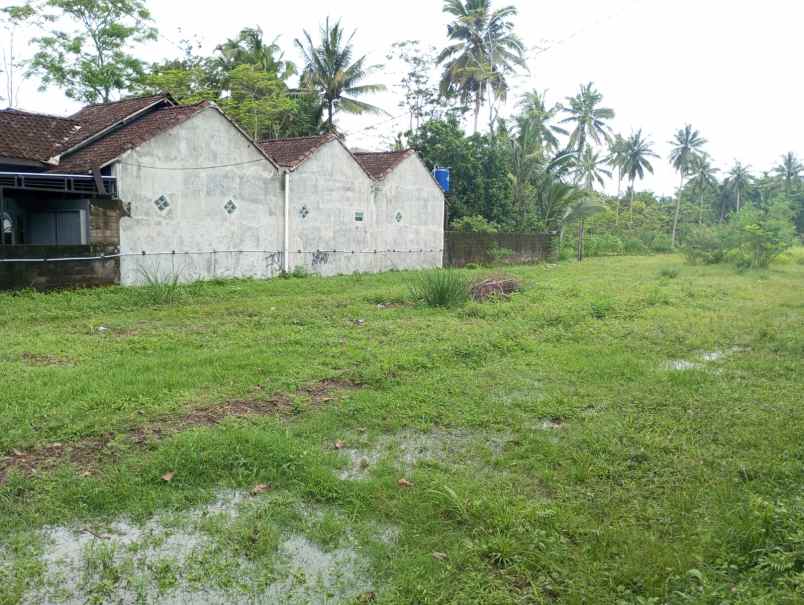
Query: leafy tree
{"x": 331, "y": 72}
{"x": 483, "y": 52}
{"x": 636, "y": 161}
{"x": 740, "y": 178}
{"x": 589, "y": 119}
{"x": 258, "y": 102}
{"x": 687, "y": 146}
{"x": 789, "y": 170}
{"x": 702, "y": 178}
{"x": 92, "y": 61}
{"x": 420, "y": 96}
{"x": 591, "y": 168}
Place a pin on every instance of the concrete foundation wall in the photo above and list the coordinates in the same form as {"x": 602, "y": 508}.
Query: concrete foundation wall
{"x": 410, "y": 192}
{"x": 196, "y": 221}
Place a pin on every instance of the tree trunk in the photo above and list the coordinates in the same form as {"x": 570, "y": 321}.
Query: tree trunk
{"x": 738, "y": 199}
{"x": 631, "y": 205}
{"x": 619, "y": 193}
{"x": 580, "y": 240}
{"x": 701, "y": 202}
{"x": 678, "y": 211}
{"x": 478, "y": 101}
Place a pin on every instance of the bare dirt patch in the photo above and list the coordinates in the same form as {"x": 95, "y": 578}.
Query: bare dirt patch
{"x": 89, "y": 454}
{"x": 495, "y": 287}
{"x": 44, "y": 360}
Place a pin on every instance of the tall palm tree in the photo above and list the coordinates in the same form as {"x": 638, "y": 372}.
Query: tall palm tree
{"x": 483, "y": 51}
{"x": 740, "y": 178}
{"x": 616, "y": 159}
{"x": 636, "y": 162}
{"x": 332, "y": 72}
{"x": 702, "y": 178}
{"x": 250, "y": 48}
{"x": 589, "y": 118}
{"x": 789, "y": 170}
{"x": 540, "y": 118}
{"x": 687, "y": 145}
{"x": 590, "y": 169}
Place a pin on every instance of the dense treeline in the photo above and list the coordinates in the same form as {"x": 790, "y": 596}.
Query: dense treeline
{"x": 545, "y": 168}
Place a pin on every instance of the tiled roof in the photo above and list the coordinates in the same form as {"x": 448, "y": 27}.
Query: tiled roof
{"x": 291, "y": 153}
{"x": 96, "y": 118}
{"x": 381, "y": 164}
{"x": 33, "y": 136}
{"x": 38, "y": 137}
{"x": 111, "y": 146}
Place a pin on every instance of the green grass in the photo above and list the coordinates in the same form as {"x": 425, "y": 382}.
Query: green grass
{"x": 572, "y": 465}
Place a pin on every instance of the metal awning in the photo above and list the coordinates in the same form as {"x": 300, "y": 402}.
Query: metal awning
{"x": 82, "y": 184}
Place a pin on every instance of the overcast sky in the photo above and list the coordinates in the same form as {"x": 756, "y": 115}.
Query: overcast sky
{"x": 729, "y": 67}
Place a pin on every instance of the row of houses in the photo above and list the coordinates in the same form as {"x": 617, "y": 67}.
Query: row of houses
{"x": 149, "y": 188}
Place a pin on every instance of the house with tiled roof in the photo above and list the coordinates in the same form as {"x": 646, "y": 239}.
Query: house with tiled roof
{"x": 409, "y": 205}
{"x": 146, "y": 188}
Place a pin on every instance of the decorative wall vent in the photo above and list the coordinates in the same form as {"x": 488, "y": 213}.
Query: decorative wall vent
{"x": 359, "y": 216}
{"x": 162, "y": 203}
{"x": 304, "y": 212}
{"x": 230, "y": 207}
{"x": 398, "y": 217}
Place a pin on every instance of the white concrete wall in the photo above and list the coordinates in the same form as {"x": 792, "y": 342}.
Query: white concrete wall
{"x": 333, "y": 187}
{"x": 411, "y": 191}
{"x": 196, "y": 220}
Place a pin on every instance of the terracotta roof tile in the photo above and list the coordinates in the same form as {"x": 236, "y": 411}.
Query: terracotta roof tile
{"x": 95, "y": 118}
{"x": 291, "y": 153}
{"x": 380, "y": 164}
{"x": 111, "y": 146}
{"x": 33, "y": 136}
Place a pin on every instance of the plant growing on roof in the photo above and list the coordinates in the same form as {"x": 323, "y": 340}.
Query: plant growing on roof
{"x": 332, "y": 73}
{"x": 91, "y": 60}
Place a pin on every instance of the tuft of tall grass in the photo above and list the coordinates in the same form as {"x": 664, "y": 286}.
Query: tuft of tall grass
{"x": 159, "y": 288}
{"x": 441, "y": 288}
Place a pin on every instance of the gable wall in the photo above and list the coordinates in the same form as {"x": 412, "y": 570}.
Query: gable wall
{"x": 411, "y": 191}
{"x": 196, "y": 220}
{"x": 333, "y": 187}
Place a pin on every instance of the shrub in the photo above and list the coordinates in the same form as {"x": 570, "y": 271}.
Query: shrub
{"x": 669, "y": 272}
{"x": 603, "y": 244}
{"x": 706, "y": 245}
{"x": 661, "y": 243}
{"x": 760, "y": 237}
{"x": 474, "y": 224}
{"x": 500, "y": 255}
{"x": 634, "y": 246}
{"x": 600, "y": 308}
{"x": 441, "y": 288}
{"x": 300, "y": 272}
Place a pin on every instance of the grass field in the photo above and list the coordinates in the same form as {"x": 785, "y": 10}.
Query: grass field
{"x": 626, "y": 430}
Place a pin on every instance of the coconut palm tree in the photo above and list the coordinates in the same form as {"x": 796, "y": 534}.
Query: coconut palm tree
{"x": 636, "y": 161}
{"x": 483, "y": 51}
{"x": 789, "y": 170}
{"x": 590, "y": 169}
{"x": 249, "y": 48}
{"x": 687, "y": 145}
{"x": 540, "y": 118}
{"x": 589, "y": 119}
{"x": 616, "y": 159}
{"x": 332, "y": 72}
{"x": 702, "y": 178}
{"x": 740, "y": 178}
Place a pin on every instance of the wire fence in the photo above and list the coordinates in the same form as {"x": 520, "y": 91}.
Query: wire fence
{"x": 187, "y": 253}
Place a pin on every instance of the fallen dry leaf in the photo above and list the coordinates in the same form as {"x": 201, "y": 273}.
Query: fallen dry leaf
{"x": 86, "y": 474}
{"x": 405, "y": 483}
{"x": 17, "y": 453}
{"x": 440, "y": 556}
{"x": 367, "y": 597}
{"x": 339, "y": 445}
{"x": 168, "y": 476}
{"x": 261, "y": 489}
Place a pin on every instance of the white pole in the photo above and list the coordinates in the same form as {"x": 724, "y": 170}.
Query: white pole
{"x": 286, "y": 253}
